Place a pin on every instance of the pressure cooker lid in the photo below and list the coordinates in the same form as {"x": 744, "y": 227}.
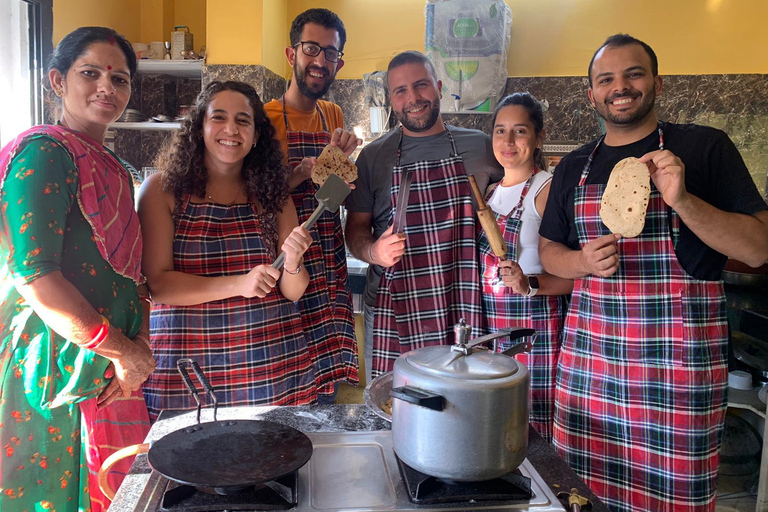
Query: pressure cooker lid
{"x": 441, "y": 361}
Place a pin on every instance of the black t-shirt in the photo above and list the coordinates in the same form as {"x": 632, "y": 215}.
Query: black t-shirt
{"x": 714, "y": 172}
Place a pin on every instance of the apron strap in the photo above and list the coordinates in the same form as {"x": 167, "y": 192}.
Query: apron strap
{"x": 454, "y": 153}
{"x": 285, "y": 115}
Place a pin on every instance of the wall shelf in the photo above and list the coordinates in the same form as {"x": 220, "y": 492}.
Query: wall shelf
{"x": 147, "y": 125}
{"x": 177, "y": 68}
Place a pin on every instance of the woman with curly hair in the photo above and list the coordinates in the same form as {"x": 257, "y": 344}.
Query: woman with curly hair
{"x": 214, "y": 219}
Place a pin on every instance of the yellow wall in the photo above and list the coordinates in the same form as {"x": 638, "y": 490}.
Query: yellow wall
{"x": 558, "y": 37}
{"x": 121, "y": 15}
{"x": 549, "y": 37}
{"x": 233, "y": 31}
{"x": 275, "y": 35}
{"x": 156, "y": 20}
{"x": 191, "y": 13}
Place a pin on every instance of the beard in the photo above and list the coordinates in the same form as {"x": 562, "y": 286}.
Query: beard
{"x": 419, "y": 125}
{"x": 629, "y": 118}
{"x": 315, "y": 93}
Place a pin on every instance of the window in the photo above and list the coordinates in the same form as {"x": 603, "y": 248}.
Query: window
{"x": 26, "y": 31}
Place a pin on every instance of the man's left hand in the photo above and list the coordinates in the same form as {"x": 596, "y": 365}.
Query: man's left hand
{"x": 668, "y": 174}
{"x": 345, "y": 141}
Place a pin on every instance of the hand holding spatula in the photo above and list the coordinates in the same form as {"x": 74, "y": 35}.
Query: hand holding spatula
{"x": 329, "y": 197}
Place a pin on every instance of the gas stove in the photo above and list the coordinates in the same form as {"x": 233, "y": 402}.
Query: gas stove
{"x": 357, "y": 472}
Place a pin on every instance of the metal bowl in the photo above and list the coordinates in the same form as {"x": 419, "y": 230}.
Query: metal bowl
{"x": 376, "y": 394}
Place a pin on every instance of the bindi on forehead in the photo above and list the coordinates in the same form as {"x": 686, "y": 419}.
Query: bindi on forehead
{"x": 109, "y": 68}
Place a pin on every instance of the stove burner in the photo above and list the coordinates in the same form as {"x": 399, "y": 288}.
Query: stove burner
{"x": 280, "y": 494}
{"x": 425, "y": 490}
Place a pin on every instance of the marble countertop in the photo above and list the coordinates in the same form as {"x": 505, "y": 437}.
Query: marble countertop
{"x": 331, "y": 418}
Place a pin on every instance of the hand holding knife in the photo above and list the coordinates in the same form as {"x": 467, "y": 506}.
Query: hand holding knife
{"x": 398, "y": 224}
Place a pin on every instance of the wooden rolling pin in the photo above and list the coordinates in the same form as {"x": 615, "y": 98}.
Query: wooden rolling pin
{"x": 488, "y": 222}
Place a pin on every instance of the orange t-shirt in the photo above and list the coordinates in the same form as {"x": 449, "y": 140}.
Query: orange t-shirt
{"x": 301, "y": 120}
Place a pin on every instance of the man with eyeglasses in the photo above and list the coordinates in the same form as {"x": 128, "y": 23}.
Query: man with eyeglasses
{"x": 304, "y": 125}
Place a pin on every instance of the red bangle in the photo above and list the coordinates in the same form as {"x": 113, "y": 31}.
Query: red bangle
{"x": 99, "y": 335}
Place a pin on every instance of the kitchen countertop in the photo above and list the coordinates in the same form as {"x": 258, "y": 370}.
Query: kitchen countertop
{"x": 333, "y": 418}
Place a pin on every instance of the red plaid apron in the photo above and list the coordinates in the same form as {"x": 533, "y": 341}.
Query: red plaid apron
{"x": 436, "y": 283}
{"x": 326, "y": 306}
{"x": 544, "y": 313}
{"x": 253, "y": 351}
{"x": 642, "y": 385}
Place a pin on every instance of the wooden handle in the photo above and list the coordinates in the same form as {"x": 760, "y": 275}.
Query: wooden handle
{"x": 492, "y": 232}
{"x": 488, "y": 222}
{"x": 113, "y": 459}
{"x": 478, "y": 195}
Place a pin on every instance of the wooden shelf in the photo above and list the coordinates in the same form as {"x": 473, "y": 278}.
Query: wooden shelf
{"x": 178, "y": 68}
{"x": 147, "y": 125}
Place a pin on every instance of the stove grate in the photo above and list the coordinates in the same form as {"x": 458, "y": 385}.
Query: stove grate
{"x": 426, "y": 490}
{"x": 280, "y": 494}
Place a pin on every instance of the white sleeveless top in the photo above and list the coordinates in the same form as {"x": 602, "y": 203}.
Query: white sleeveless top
{"x": 504, "y": 199}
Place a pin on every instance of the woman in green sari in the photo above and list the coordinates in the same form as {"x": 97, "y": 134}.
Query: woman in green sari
{"x": 74, "y": 330}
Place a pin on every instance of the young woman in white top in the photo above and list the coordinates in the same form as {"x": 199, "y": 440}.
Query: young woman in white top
{"x": 516, "y": 290}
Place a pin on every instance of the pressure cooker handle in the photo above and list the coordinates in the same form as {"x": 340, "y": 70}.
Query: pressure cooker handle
{"x": 418, "y": 397}
{"x": 513, "y": 333}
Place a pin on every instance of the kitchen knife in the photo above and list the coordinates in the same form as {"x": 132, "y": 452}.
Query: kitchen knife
{"x": 398, "y": 224}
{"x": 488, "y": 223}
{"x": 329, "y": 197}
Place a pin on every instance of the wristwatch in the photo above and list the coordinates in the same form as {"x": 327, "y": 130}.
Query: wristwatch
{"x": 533, "y": 286}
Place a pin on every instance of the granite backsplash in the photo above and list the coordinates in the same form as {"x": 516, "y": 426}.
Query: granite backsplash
{"x": 737, "y": 104}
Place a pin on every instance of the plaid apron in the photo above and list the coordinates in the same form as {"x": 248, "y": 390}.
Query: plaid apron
{"x": 544, "y": 313}
{"x": 436, "y": 283}
{"x": 326, "y": 306}
{"x": 253, "y": 351}
{"x": 642, "y": 384}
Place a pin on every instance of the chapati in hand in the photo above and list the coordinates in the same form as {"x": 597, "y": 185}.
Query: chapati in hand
{"x": 625, "y": 199}
{"x": 333, "y": 161}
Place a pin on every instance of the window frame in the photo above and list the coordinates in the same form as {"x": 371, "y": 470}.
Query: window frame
{"x": 40, "y": 17}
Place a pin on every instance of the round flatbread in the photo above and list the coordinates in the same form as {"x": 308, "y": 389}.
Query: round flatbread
{"x": 625, "y": 199}
{"x": 333, "y": 161}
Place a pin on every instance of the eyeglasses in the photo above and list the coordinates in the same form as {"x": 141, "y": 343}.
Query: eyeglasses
{"x": 314, "y": 49}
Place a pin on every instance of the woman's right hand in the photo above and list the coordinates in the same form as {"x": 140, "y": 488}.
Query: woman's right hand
{"x": 295, "y": 246}
{"x": 259, "y": 281}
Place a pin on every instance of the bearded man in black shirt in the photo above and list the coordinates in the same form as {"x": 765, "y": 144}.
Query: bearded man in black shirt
{"x": 642, "y": 385}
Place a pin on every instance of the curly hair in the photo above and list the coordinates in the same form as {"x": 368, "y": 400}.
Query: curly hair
{"x": 182, "y": 163}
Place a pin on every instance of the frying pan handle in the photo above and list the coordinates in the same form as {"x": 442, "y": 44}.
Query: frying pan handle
{"x": 113, "y": 459}
{"x": 180, "y": 365}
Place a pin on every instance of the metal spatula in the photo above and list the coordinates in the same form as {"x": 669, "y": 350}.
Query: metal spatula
{"x": 329, "y": 197}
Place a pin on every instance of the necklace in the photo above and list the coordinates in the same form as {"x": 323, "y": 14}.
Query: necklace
{"x": 239, "y": 190}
